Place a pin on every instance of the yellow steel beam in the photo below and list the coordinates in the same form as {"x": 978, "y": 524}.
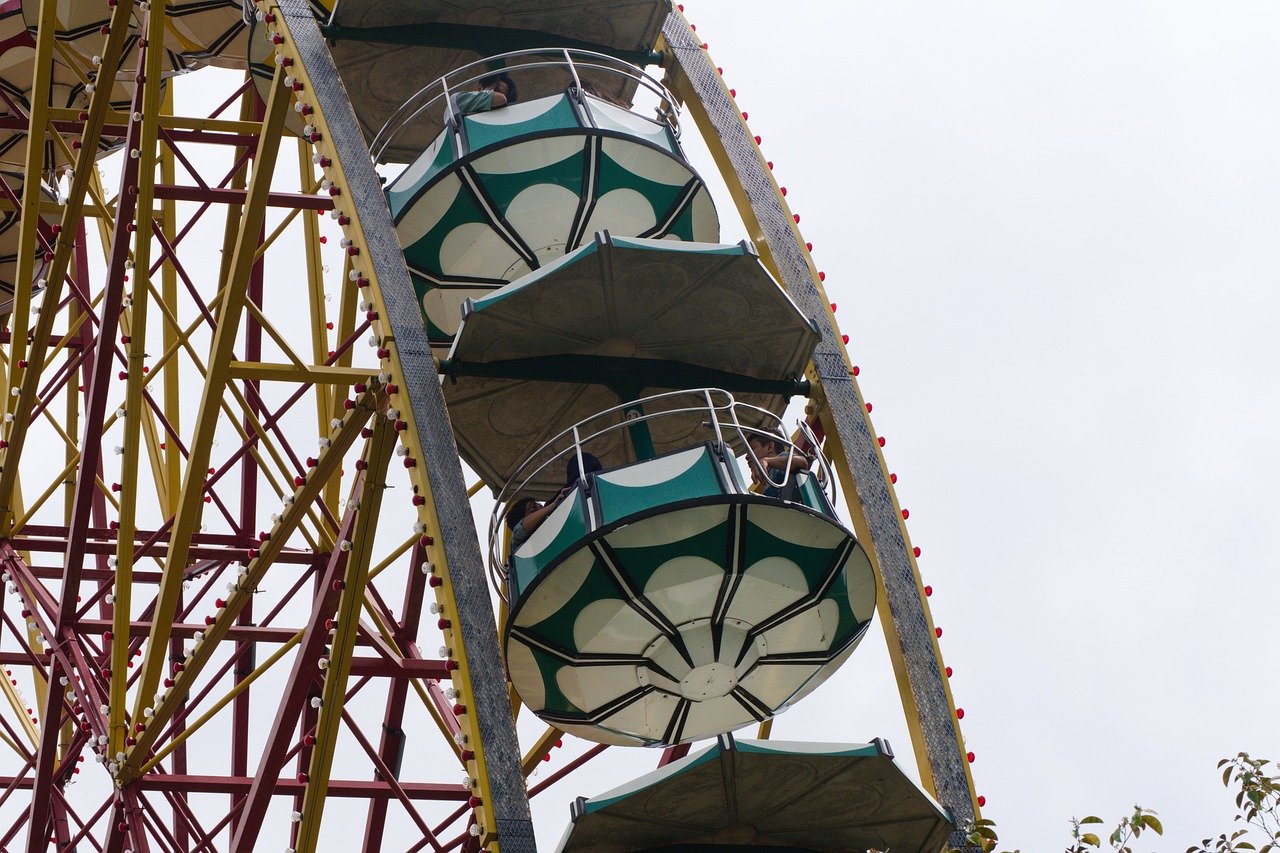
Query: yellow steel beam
{"x": 32, "y": 175}
{"x": 188, "y": 729}
{"x": 315, "y": 294}
{"x": 280, "y": 340}
{"x": 328, "y": 462}
{"x": 172, "y": 458}
{"x": 233, "y": 416}
{"x": 333, "y": 696}
{"x": 318, "y": 374}
{"x": 400, "y": 551}
{"x": 540, "y": 747}
{"x": 190, "y": 498}
{"x": 56, "y": 270}
{"x": 118, "y": 725}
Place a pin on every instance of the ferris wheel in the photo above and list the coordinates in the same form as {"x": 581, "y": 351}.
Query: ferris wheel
{"x": 292, "y": 293}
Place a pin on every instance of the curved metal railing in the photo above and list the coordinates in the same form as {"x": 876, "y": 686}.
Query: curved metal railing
{"x": 517, "y": 62}
{"x": 724, "y": 423}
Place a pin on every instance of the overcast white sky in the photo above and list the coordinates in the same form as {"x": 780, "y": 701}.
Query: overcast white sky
{"x": 1051, "y": 230}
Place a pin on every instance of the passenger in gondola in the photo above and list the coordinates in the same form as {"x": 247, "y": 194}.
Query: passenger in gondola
{"x": 493, "y": 91}
{"x": 525, "y": 515}
{"x": 590, "y": 465}
{"x": 773, "y": 462}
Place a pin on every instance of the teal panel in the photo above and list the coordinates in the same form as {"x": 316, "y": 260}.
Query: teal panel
{"x": 640, "y": 564}
{"x": 557, "y": 628}
{"x": 682, "y": 227}
{"x": 398, "y": 196}
{"x": 548, "y": 666}
{"x": 482, "y": 134}
{"x": 653, "y": 132}
{"x": 698, "y": 481}
{"x": 525, "y": 569}
{"x": 759, "y": 544}
{"x": 425, "y": 253}
{"x": 614, "y": 176}
{"x": 812, "y": 495}
{"x": 503, "y": 188}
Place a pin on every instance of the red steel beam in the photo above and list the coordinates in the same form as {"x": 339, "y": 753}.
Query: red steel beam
{"x": 226, "y": 195}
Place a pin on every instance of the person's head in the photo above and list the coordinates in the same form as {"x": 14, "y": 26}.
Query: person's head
{"x": 500, "y": 82}
{"x": 518, "y": 509}
{"x": 590, "y": 465}
{"x": 765, "y": 443}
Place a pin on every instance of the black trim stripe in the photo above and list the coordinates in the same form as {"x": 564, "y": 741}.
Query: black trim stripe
{"x": 637, "y": 600}
{"x": 734, "y": 571}
{"x": 668, "y": 219}
{"x": 591, "y": 154}
{"x": 752, "y": 704}
{"x": 504, "y": 228}
{"x": 675, "y": 726}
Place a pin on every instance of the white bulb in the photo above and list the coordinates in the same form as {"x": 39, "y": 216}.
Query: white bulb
{"x": 316, "y": 701}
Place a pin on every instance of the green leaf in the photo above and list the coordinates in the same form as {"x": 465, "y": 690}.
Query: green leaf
{"x": 1090, "y": 819}
{"x": 1091, "y": 839}
{"x": 1153, "y": 822}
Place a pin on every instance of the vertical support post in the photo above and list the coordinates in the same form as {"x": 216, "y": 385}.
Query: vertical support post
{"x": 913, "y": 648}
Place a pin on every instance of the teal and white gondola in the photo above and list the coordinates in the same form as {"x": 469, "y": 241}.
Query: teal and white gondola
{"x": 502, "y": 193}
{"x": 662, "y": 603}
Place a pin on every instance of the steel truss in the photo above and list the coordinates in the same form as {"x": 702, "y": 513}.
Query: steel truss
{"x": 221, "y": 518}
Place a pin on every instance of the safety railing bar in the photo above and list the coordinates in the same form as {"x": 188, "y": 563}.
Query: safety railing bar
{"x": 574, "y": 59}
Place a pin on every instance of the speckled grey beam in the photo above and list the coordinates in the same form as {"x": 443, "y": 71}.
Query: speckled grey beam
{"x": 905, "y": 607}
{"x": 492, "y": 706}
